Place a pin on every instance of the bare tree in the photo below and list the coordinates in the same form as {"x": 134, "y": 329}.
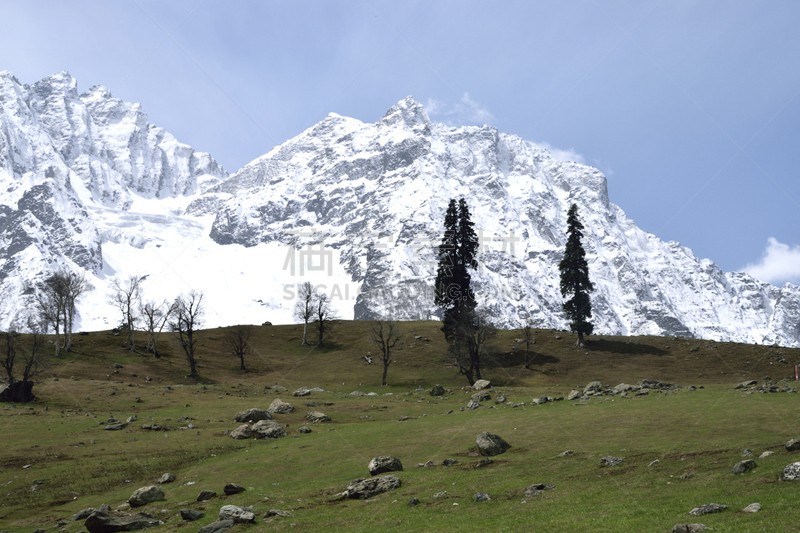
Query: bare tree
{"x": 528, "y": 338}
{"x": 386, "y": 335}
{"x": 155, "y": 318}
{"x": 237, "y": 340}
{"x": 126, "y": 297}
{"x": 304, "y": 307}
{"x": 56, "y": 301}
{"x": 187, "y": 320}
{"x": 27, "y": 355}
{"x": 324, "y": 314}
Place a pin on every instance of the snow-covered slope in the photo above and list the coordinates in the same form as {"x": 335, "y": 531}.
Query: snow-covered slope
{"x": 355, "y": 208}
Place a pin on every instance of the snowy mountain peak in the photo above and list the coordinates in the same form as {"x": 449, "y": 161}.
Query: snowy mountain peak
{"x": 407, "y": 113}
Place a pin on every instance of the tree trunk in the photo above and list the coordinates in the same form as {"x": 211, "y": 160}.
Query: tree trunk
{"x": 305, "y": 333}
{"x": 580, "y": 338}
{"x": 385, "y": 369}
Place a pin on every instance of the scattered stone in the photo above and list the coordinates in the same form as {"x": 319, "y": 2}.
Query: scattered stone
{"x": 361, "y": 489}
{"x": 302, "y": 391}
{"x": 540, "y": 400}
{"x": 413, "y": 501}
{"x": 252, "y": 415}
{"x": 766, "y": 454}
{"x": 166, "y": 478}
{"x": 484, "y": 462}
{"x": 383, "y": 464}
{"x": 440, "y": 494}
{"x": 482, "y": 396}
{"x": 689, "y": 528}
{"x": 437, "y": 390}
{"x": 237, "y": 514}
{"x": 481, "y": 497}
{"x": 242, "y": 432}
{"x": 472, "y": 405}
{"x": 744, "y": 384}
{"x": 190, "y": 515}
{"x": 624, "y": 387}
{"x": 609, "y": 460}
{"x": 83, "y": 514}
{"x": 268, "y": 429}
{"x": 279, "y": 407}
{"x": 233, "y": 488}
{"x": 491, "y": 444}
{"x": 686, "y": 476}
{"x": 792, "y": 445}
{"x": 500, "y": 399}
{"x": 537, "y": 488}
{"x": 747, "y": 452}
{"x": 206, "y": 495}
{"x": 481, "y": 384}
{"x": 358, "y": 393}
{"x": 304, "y": 429}
{"x": 145, "y": 495}
{"x": 115, "y": 426}
{"x": 316, "y": 416}
{"x": 574, "y": 395}
{"x": 653, "y": 463}
{"x": 566, "y": 453}
{"x": 216, "y": 527}
{"x": 277, "y": 512}
{"x": 102, "y": 522}
{"x": 752, "y": 508}
{"x": 449, "y": 462}
{"x": 708, "y": 509}
{"x": 594, "y": 386}
{"x": 791, "y": 472}
{"x": 743, "y": 466}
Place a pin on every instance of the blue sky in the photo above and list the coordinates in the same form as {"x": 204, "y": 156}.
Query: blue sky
{"x": 692, "y": 109}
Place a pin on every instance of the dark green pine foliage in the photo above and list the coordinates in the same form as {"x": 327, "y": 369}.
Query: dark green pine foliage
{"x": 456, "y": 256}
{"x": 575, "y": 282}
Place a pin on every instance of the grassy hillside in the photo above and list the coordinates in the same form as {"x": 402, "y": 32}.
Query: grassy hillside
{"x": 57, "y": 459}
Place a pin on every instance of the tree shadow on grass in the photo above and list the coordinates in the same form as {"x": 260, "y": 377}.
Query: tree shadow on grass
{"x": 517, "y": 359}
{"x": 619, "y": 347}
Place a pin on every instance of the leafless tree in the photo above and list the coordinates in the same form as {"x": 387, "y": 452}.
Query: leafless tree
{"x": 237, "y": 340}
{"x": 304, "y": 307}
{"x": 56, "y": 301}
{"x": 27, "y": 355}
{"x": 187, "y": 320}
{"x": 324, "y": 314}
{"x": 127, "y": 295}
{"x": 155, "y": 318}
{"x": 386, "y": 335}
{"x": 528, "y": 338}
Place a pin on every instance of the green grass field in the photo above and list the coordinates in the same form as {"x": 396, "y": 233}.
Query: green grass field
{"x": 58, "y": 447}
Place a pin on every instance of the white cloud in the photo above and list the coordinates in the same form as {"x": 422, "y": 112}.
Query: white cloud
{"x": 465, "y": 112}
{"x": 780, "y": 263}
{"x": 562, "y": 155}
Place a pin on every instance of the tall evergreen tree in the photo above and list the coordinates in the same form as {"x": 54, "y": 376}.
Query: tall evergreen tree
{"x": 454, "y": 293}
{"x": 575, "y": 281}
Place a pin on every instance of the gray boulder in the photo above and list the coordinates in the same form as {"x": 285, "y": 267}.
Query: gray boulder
{"x": 472, "y": 405}
{"x": 609, "y": 460}
{"x": 574, "y": 394}
{"x": 752, "y": 508}
{"x": 500, "y": 399}
{"x": 743, "y": 466}
{"x": 383, "y": 464}
{"x": 277, "y": 512}
{"x": 541, "y": 400}
{"x": 481, "y": 497}
{"x": 190, "y": 515}
{"x": 689, "y": 528}
{"x": 233, "y": 488}
{"x": 594, "y": 386}
{"x": 216, "y": 527}
{"x": 361, "y": 489}
{"x": 279, "y": 407}
{"x": 623, "y": 387}
{"x": 792, "y": 445}
{"x": 252, "y": 415}
{"x": 83, "y": 514}
{"x": 268, "y": 429}
{"x": 166, "y": 478}
{"x": 537, "y": 488}
{"x": 100, "y": 522}
{"x": 304, "y": 429}
{"x": 242, "y": 432}
{"x": 437, "y": 390}
{"x": 116, "y": 426}
{"x": 791, "y": 472}
{"x": 237, "y": 514}
{"x": 744, "y": 384}
{"x": 302, "y": 391}
{"x": 482, "y": 384}
{"x": 708, "y": 509}
{"x": 145, "y": 495}
{"x": 491, "y": 444}
{"x": 482, "y": 396}
{"x": 316, "y": 416}
{"x": 206, "y": 495}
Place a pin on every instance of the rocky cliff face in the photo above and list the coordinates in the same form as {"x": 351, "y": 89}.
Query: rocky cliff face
{"x": 86, "y": 181}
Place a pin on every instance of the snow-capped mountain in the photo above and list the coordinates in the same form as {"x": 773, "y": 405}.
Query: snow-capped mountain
{"x": 356, "y": 208}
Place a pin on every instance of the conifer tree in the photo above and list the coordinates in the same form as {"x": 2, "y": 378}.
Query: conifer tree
{"x": 575, "y": 281}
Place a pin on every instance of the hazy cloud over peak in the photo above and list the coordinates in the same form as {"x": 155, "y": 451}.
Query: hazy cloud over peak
{"x": 465, "y": 112}
{"x": 780, "y": 263}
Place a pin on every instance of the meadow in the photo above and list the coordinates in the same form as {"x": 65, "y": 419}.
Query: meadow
{"x": 57, "y": 459}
